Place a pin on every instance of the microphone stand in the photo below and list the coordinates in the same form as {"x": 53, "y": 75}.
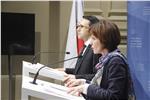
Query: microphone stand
{"x": 37, "y": 54}
{"x": 36, "y": 75}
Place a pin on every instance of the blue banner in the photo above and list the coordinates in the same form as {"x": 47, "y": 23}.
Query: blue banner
{"x": 138, "y": 47}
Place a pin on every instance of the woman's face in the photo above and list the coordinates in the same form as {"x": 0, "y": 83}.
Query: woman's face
{"x": 96, "y": 45}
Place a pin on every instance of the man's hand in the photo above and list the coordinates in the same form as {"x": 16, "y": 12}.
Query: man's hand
{"x": 75, "y": 82}
{"x": 60, "y": 69}
{"x": 68, "y": 77}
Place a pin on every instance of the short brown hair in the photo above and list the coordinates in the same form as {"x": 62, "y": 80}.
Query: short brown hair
{"x": 108, "y": 34}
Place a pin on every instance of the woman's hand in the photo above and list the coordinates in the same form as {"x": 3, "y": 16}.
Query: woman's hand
{"x": 76, "y": 90}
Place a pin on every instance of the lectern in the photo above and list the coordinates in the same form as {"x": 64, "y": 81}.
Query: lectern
{"x": 44, "y": 90}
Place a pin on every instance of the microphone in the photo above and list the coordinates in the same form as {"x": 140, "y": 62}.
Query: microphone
{"x": 35, "y": 56}
{"x": 36, "y": 75}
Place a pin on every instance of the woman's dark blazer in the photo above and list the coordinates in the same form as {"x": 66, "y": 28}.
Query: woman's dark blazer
{"x": 113, "y": 84}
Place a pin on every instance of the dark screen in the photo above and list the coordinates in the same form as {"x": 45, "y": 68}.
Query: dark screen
{"x": 18, "y": 33}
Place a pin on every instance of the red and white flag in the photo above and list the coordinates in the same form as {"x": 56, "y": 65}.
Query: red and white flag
{"x": 73, "y": 43}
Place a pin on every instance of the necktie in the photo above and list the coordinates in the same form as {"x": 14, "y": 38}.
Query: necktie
{"x": 81, "y": 52}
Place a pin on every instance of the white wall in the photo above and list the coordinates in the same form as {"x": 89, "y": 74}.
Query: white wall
{"x": 65, "y": 12}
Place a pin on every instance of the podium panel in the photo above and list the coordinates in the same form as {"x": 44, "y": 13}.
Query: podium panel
{"x": 46, "y": 72}
{"x": 43, "y": 90}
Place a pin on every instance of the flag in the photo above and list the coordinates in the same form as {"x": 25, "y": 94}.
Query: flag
{"x": 138, "y": 51}
{"x": 74, "y": 44}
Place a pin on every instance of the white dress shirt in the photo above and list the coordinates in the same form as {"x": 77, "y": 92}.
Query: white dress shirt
{"x": 86, "y": 44}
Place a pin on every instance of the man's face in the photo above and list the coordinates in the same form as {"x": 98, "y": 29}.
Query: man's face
{"x": 83, "y": 29}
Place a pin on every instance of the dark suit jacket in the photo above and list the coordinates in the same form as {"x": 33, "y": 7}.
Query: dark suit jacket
{"x": 113, "y": 84}
{"x": 85, "y": 66}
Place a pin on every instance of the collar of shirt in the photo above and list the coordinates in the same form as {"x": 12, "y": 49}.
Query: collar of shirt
{"x": 103, "y": 59}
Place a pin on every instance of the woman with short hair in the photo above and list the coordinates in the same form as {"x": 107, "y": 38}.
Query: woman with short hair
{"x": 112, "y": 80}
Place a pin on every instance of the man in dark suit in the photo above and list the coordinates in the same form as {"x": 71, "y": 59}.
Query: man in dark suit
{"x": 85, "y": 65}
